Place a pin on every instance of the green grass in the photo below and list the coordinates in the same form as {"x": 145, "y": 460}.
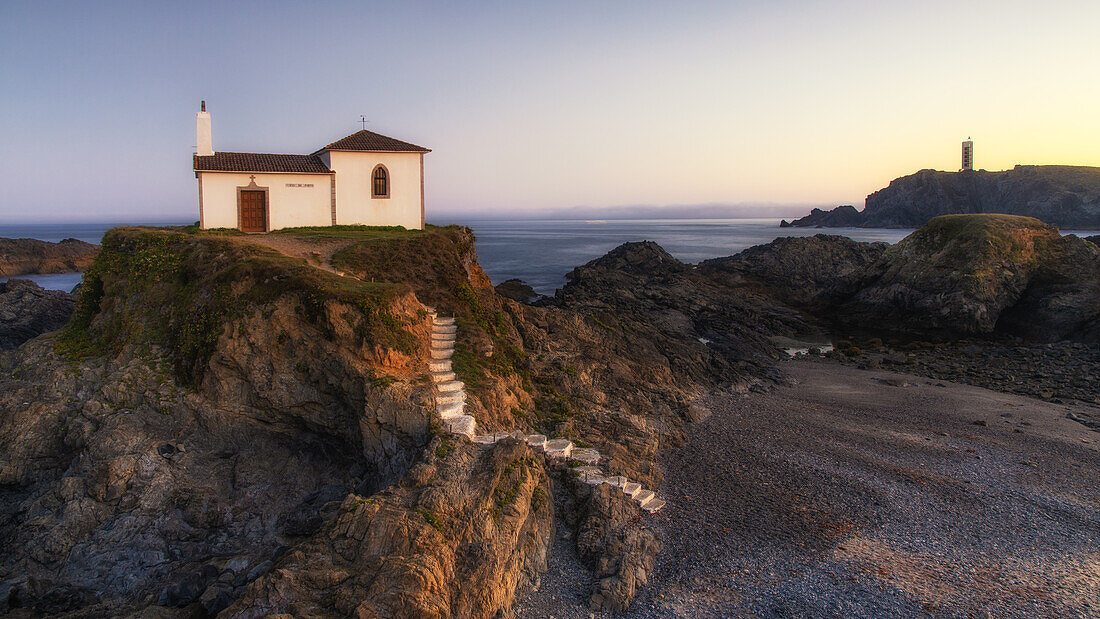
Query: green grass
{"x": 431, "y": 519}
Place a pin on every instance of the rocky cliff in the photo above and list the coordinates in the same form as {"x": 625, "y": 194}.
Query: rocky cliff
{"x": 209, "y": 405}
{"x": 26, "y": 256}
{"x": 1063, "y": 196}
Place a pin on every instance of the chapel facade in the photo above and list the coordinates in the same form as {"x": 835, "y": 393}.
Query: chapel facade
{"x": 365, "y": 178}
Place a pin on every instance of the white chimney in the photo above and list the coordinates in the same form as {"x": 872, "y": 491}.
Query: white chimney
{"x": 205, "y": 143}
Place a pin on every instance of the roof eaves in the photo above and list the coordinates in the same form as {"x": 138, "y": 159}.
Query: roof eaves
{"x": 373, "y": 150}
{"x": 328, "y": 173}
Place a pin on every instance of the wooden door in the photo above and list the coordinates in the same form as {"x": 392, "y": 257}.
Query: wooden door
{"x": 253, "y": 211}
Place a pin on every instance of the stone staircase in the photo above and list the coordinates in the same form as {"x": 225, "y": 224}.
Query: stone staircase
{"x": 450, "y": 403}
{"x": 450, "y": 398}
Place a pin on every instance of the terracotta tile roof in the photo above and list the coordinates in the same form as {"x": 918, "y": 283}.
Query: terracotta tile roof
{"x": 259, "y": 162}
{"x": 373, "y": 142}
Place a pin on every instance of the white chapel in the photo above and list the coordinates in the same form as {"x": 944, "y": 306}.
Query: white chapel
{"x": 365, "y": 178}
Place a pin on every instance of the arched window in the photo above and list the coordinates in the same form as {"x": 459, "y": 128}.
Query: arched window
{"x": 380, "y": 182}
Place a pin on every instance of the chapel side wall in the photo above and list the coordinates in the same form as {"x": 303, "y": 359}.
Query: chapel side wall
{"x": 354, "y": 204}
{"x": 288, "y": 206}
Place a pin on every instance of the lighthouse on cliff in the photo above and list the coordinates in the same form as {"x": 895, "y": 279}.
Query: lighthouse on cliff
{"x": 968, "y": 155}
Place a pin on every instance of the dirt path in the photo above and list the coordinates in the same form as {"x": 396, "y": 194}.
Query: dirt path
{"x": 845, "y": 495}
{"x": 316, "y": 251}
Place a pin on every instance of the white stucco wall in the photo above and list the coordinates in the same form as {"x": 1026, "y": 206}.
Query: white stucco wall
{"x": 354, "y": 204}
{"x": 288, "y": 206}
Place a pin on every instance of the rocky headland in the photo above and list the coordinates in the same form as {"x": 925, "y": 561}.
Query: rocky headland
{"x": 29, "y": 256}
{"x": 1063, "y": 196}
{"x": 245, "y": 424}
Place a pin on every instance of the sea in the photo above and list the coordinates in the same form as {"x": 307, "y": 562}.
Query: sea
{"x": 542, "y": 252}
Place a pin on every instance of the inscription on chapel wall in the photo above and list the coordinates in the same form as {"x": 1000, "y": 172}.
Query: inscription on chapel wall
{"x": 299, "y": 184}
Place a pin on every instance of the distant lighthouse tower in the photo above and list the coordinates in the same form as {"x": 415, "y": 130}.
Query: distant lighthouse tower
{"x": 968, "y": 154}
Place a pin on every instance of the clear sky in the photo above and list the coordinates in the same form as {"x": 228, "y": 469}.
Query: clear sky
{"x": 534, "y": 106}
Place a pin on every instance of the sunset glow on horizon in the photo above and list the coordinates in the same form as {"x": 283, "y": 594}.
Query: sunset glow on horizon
{"x": 530, "y": 107}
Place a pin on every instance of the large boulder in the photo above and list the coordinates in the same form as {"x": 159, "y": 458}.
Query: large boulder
{"x": 27, "y": 310}
{"x": 976, "y": 274}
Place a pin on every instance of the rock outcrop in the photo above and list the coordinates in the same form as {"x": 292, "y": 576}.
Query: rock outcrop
{"x": 1064, "y": 196}
{"x": 28, "y": 256}
{"x": 516, "y": 290}
{"x": 801, "y": 271}
{"x": 710, "y": 329}
{"x": 977, "y": 274}
{"x": 27, "y": 310}
{"x": 845, "y": 216}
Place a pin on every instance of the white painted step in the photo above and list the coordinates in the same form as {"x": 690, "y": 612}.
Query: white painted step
{"x": 643, "y": 497}
{"x": 559, "y": 448}
{"x": 653, "y": 506}
{"x": 631, "y": 489}
{"x": 442, "y": 345}
{"x": 452, "y": 385}
{"x": 448, "y": 330}
{"x": 586, "y": 455}
{"x": 443, "y": 337}
{"x": 442, "y": 354}
{"x": 538, "y": 441}
{"x": 440, "y": 366}
{"x": 454, "y": 409}
{"x": 595, "y": 480}
{"x": 588, "y": 470}
{"x": 463, "y": 424}
{"x": 443, "y": 322}
{"x": 450, "y": 397}
{"x": 484, "y": 439}
{"x": 617, "y": 480}
{"x": 442, "y": 377}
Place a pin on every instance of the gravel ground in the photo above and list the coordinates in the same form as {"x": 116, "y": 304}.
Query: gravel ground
{"x": 868, "y": 493}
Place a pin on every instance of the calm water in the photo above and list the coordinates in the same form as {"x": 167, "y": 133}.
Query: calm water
{"x": 542, "y": 252}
